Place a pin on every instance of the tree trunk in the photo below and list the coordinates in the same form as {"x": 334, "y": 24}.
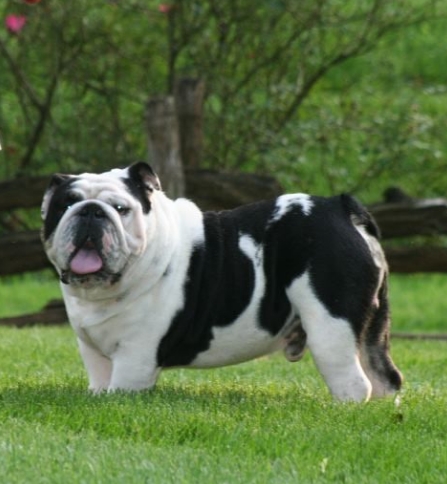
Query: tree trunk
{"x": 164, "y": 145}
{"x": 189, "y": 94}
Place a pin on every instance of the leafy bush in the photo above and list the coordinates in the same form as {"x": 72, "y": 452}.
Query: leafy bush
{"x": 287, "y": 90}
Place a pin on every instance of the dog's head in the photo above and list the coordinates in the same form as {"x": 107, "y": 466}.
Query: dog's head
{"x": 94, "y": 224}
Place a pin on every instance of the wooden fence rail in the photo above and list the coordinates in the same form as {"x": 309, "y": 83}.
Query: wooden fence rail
{"x": 22, "y": 251}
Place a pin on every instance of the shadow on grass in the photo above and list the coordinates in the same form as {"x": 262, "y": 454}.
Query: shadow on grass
{"x": 170, "y": 414}
{"x": 31, "y": 397}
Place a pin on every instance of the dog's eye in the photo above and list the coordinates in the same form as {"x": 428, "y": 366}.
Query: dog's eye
{"x": 69, "y": 202}
{"x": 121, "y": 209}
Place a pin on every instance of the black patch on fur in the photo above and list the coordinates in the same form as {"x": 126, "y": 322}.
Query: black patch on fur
{"x": 142, "y": 181}
{"x": 61, "y": 201}
{"x": 219, "y": 284}
{"x": 360, "y": 215}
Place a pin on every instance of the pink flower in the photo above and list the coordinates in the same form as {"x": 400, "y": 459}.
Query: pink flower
{"x": 165, "y": 8}
{"x": 15, "y": 23}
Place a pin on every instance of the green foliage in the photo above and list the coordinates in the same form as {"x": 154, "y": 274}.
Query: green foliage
{"x": 329, "y": 96}
{"x": 76, "y": 85}
{"x": 374, "y": 122}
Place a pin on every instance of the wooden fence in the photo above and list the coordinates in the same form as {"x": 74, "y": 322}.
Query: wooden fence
{"x": 174, "y": 126}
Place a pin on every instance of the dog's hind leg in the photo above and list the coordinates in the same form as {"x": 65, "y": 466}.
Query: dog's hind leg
{"x": 332, "y": 343}
{"x": 375, "y": 357}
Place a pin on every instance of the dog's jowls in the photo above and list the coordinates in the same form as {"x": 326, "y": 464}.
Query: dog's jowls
{"x": 151, "y": 283}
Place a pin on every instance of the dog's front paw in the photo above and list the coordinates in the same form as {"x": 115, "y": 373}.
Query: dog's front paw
{"x": 97, "y": 390}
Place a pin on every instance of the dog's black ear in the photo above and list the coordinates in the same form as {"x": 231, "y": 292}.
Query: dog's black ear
{"x": 143, "y": 175}
{"x": 57, "y": 179}
{"x": 141, "y": 182}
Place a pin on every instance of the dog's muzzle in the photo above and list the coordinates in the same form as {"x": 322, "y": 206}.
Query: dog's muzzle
{"x": 88, "y": 262}
{"x": 87, "y": 256}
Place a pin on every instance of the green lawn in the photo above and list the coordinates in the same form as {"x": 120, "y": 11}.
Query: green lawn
{"x": 419, "y": 302}
{"x": 265, "y": 421}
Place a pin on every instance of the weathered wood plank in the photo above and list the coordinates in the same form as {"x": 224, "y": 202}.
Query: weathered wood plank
{"x": 22, "y": 192}
{"x": 417, "y": 259}
{"x": 421, "y": 217}
{"x": 22, "y": 252}
{"x": 52, "y": 314}
{"x": 418, "y": 336}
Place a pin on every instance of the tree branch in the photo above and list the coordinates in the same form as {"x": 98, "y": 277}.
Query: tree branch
{"x": 20, "y": 77}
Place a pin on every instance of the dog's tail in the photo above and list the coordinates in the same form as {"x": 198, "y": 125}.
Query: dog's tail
{"x": 360, "y": 215}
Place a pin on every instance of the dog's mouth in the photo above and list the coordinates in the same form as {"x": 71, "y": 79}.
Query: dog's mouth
{"x": 86, "y": 267}
{"x": 86, "y": 260}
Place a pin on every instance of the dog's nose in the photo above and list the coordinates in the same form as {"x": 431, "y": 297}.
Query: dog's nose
{"x": 92, "y": 210}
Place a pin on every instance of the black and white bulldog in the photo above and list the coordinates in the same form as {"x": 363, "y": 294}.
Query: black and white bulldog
{"x": 151, "y": 283}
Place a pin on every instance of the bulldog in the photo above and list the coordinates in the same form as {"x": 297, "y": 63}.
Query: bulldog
{"x": 152, "y": 283}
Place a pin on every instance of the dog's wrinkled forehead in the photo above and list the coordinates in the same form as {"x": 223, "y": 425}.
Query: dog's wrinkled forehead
{"x": 137, "y": 181}
{"x": 129, "y": 186}
{"x": 104, "y": 186}
{"x": 93, "y": 186}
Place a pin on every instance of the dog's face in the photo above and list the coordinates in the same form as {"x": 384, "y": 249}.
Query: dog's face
{"x": 95, "y": 224}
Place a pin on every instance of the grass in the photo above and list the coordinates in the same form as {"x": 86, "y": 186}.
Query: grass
{"x": 27, "y": 293}
{"x": 265, "y": 421}
{"x": 419, "y": 302}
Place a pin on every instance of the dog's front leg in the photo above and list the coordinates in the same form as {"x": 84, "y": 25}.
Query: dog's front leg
{"x": 98, "y": 366}
{"x": 134, "y": 368}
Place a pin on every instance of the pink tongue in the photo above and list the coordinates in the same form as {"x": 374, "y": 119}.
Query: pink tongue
{"x": 86, "y": 261}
